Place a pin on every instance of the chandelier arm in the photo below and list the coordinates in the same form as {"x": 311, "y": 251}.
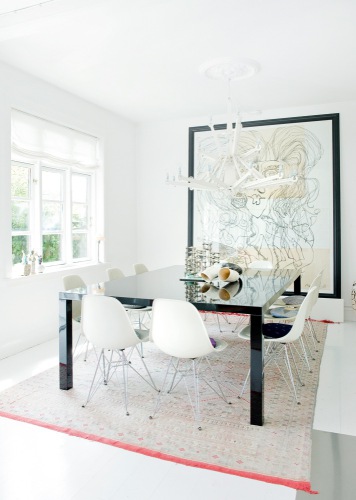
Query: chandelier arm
{"x": 251, "y": 169}
{"x": 240, "y": 180}
{"x": 192, "y": 183}
{"x": 237, "y": 132}
{"x": 250, "y": 152}
{"x": 270, "y": 181}
{"x": 236, "y": 163}
{"x": 223, "y": 168}
{"x": 213, "y": 159}
{"x": 216, "y": 140}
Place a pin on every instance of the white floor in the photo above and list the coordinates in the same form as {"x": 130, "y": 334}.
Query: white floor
{"x": 39, "y": 464}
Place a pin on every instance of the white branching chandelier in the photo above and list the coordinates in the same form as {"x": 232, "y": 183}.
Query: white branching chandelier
{"x": 231, "y": 170}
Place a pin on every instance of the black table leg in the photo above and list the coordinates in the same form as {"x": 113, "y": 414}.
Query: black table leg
{"x": 65, "y": 345}
{"x": 257, "y": 374}
{"x": 297, "y": 285}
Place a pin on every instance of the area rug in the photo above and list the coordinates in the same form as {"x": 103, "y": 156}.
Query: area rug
{"x": 278, "y": 452}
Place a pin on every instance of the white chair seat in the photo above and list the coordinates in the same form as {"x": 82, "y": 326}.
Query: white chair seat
{"x": 220, "y": 345}
{"x": 143, "y": 335}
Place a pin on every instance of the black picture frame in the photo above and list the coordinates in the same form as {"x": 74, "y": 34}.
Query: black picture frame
{"x": 329, "y": 121}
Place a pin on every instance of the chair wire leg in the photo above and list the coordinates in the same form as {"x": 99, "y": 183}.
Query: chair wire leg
{"x": 176, "y": 371}
{"x": 313, "y": 330}
{"x": 290, "y": 373}
{"x": 307, "y": 346}
{"x": 218, "y": 320}
{"x": 125, "y": 365}
{"x": 312, "y": 334}
{"x": 295, "y": 365}
{"x": 221, "y": 394}
{"x": 245, "y": 383}
{"x": 160, "y": 392}
{"x": 152, "y": 384}
{"x": 93, "y": 389}
{"x": 305, "y": 355}
{"x": 197, "y": 395}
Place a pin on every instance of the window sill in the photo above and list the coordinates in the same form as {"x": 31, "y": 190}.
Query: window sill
{"x": 52, "y": 272}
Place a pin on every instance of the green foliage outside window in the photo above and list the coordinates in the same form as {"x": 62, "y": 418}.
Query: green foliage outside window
{"x": 19, "y": 245}
{"x": 80, "y": 246}
{"x": 51, "y": 248}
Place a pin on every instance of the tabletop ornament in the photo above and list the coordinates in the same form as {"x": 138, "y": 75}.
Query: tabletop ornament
{"x": 225, "y": 292}
{"x": 222, "y": 271}
{"x": 29, "y": 263}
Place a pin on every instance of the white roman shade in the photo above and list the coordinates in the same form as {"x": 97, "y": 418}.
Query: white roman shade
{"x": 34, "y": 137}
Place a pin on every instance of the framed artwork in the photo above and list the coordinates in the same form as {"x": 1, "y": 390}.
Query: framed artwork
{"x": 291, "y": 225}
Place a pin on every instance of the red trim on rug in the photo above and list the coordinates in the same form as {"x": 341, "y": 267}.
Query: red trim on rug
{"x": 297, "y": 485}
{"x": 202, "y": 311}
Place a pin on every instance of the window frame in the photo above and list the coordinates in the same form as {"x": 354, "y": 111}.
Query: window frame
{"x": 36, "y": 231}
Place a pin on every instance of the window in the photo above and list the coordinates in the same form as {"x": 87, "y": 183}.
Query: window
{"x": 21, "y": 210}
{"x": 51, "y": 213}
{"x": 52, "y": 192}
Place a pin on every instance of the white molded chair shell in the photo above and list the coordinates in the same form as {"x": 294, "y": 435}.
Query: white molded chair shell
{"x": 293, "y": 335}
{"x": 114, "y": 273}
{"x": 260, "y": 264}
{"x": 178, "y": 329}
{"x": 106, "y": 324}
{"x": 72, "y": 281}
{"x": 298, "y": 323}
{"x": 140, "y": 268}
{"x": 317, "y": 284}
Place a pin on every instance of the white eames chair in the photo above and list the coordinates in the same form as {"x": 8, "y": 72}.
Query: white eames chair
{"x": 107, "y": 326}
{"x": 139, "y": 315}
{"x": 179, "y": 331}
{"x": 114, "y": 273}
{"x": 70, "y": 282}
{"x": 280, "y": 338}
{"x": 277, "y": 313}
{"x": 140, "y": 268}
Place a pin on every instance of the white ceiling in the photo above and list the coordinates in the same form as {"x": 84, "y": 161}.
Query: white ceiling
{"x": 140, "y": 58}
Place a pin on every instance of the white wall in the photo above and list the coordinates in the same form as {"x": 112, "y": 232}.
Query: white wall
{"x": 162, "y": 210}
{"x": 29, "y": 306}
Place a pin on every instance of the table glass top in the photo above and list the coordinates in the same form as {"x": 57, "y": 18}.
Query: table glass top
{"x": 255, "y": 289}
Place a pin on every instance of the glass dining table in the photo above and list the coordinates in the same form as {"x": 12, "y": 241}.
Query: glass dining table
{"x": 255, "y": 292}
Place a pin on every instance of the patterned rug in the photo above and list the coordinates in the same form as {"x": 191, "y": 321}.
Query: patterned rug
{"x": 279, "y": 452}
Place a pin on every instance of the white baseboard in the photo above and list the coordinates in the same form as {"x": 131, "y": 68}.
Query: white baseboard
{"x": 350, "y": 314}
{"x": 329, "y": 310}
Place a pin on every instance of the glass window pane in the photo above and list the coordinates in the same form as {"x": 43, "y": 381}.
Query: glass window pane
{"x": 80, "y": 188}
{"x": 80, "y": 246}
{"x": 51, "y": 216}
{"x": 51, "y": 247}
{"x": 20, "y": 216}
{"x": 79, "y": 216}
{"x": 20, "y": 244}
{"x": 51, "y": 185}
{"x": 20, "y": 182}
